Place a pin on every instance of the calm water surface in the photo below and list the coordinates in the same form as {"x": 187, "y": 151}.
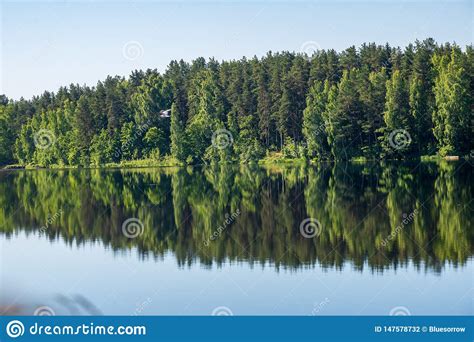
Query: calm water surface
{"x": 333, "y": 239}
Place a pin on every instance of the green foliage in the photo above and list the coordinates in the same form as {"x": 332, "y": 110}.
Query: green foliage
{"x": 6, "y": 136}
{"x": 398, "y": 131}
{"x": 373, "y": 92}
{"x": 453, "y": 116}
{"x": 101, "y": 150}
{"x": 253, "y": 152}
{"x": 248, "y": 146}
{"x": 177, "y": 136}
{"x": 315, "y": 123}
{"x": 129, "y": 141}
{"x": 199, "y": 134}
{"x": 347, "y": 105}
{"x": 345, "y": 118}
{"x": 292, "y": 149}
{"x": 422, "y": 97}
{"x": 24, "y": 145}
{"x": 154, "y": 140}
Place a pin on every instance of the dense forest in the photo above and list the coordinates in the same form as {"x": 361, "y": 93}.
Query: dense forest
{"x": 371, "y": 102}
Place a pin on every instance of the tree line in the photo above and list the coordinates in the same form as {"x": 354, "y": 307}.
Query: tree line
{"x": 371, "y": 102}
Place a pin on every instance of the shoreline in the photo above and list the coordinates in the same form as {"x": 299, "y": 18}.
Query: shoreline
{"x": 268, "y": 161}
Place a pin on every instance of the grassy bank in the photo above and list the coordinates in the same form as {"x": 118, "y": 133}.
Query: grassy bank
{"x": 165, "y": 162}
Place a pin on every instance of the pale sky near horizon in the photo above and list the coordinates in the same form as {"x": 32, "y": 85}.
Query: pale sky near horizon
{"x": 48, "y": 44}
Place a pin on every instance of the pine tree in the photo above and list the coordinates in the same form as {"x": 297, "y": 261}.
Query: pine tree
{"x": 397, "y": 139}
{"x": 201, "y": 126}
{"x": 177, "y": 134}
{"x": 421, "y": 97}
{"x": 345, "y": 118}
{"x": 350, "y": 59}
{"x": 314, "y": 125}
{"x": 177, "y": 74}
{"x": 85, "y": 129}
{"x": 265, "y": 121}
{"x": 319, "y": 67}
{"x": 334, "y": 69}
{"x": 276, "y": 96}
{"x": 372, "y": 94}
{"x": 7, "y": 138}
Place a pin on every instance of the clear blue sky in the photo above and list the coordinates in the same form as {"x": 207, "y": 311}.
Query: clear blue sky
{"x": 49, "y": 44}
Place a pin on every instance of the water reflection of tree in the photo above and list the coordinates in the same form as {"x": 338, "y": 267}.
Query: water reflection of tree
{"x": 358, "y": 205}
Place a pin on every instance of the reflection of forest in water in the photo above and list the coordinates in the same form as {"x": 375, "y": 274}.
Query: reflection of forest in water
{"x": 358, "y": 205}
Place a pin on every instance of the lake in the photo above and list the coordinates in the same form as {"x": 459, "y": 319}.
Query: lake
{"x": 331, "y": 239}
